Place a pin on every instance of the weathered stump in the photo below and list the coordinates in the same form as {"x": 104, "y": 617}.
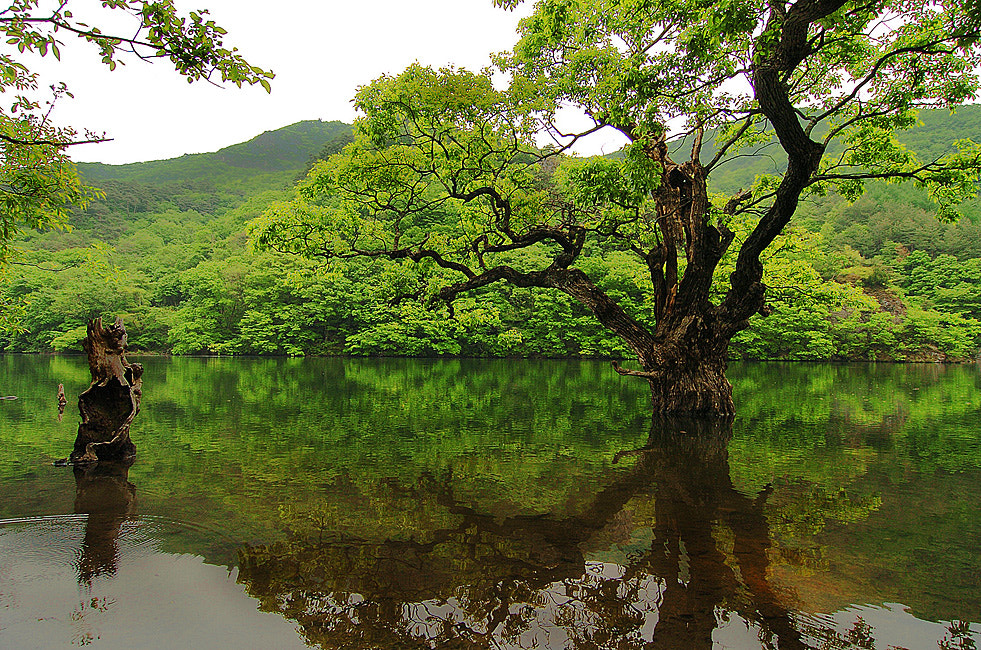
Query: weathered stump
{"x": 112, "y": 399}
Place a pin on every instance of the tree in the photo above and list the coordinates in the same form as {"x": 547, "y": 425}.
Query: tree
{"x": 39, "y": 185}
{"x": 445, "y": 170}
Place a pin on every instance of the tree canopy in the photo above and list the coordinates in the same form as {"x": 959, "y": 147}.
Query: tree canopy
{"x": 449, "y": 167}
{"x": 39, "y": 185}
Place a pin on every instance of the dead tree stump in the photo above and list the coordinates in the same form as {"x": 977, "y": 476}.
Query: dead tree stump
{"x": 112, "y": 399}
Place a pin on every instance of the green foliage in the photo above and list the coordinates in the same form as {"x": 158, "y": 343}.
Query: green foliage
{"x": 39, "y": 186}
{"x": 826, "y": 319}
{"x": 180, "y": 273}
{"x": 193, "y": 44}
{"x": 944, "y": 282}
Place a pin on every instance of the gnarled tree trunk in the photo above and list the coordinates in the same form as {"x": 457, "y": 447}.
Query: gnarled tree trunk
{"x": 691, "y": 383}
{"x": 685, "y": 356}
{"x": 685, "y": 364}
{"x": 112, "y": 399}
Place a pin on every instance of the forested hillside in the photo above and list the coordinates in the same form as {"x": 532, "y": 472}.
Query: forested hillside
{"x": 168, "y": 249}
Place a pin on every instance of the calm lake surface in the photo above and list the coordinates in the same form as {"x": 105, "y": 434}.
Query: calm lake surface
{"x": 494, "y": 504}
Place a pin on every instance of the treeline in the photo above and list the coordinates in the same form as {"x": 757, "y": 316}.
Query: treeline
{"x": 879, "y": 279}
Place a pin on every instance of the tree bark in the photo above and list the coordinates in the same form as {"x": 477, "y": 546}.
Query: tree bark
{"x": 685, "y": 363}
{"x": 692, "y": 385}
{"x": 112, "y": 399}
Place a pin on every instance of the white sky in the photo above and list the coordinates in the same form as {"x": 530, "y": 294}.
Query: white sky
{"x": 321, "y": 51}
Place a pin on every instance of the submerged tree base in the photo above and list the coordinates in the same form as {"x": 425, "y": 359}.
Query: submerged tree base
{"x": 687, "y": 375}
{"x": 699, "y": 391}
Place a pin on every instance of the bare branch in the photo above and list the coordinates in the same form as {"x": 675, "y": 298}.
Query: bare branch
{"x": 631, "y": 373}
{"x": 51, "y": 143}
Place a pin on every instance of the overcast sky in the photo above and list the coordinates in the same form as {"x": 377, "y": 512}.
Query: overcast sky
{"x": 321, "y": 51}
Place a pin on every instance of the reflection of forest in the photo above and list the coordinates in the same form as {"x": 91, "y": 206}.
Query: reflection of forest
{"x": 700, "y": 571}
{"x": 472, "y": 477}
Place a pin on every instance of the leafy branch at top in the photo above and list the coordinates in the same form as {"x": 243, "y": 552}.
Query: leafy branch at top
{"x": 39, "y": 185}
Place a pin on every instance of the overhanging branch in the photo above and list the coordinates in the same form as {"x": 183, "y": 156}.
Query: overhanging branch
{"x": 50, "y": 143}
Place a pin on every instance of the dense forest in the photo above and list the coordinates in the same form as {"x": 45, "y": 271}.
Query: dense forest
{"x": 167, "y": 247}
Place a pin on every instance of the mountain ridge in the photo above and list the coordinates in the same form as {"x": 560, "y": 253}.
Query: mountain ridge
{"x": 292, "y": 147}
{"x": 287, "y": 149}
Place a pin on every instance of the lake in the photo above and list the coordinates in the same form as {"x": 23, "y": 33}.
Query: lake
{"x": 394, "y": 503}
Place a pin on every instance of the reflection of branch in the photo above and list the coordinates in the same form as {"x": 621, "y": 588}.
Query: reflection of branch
{"x": 751, "y": 545}
{"x": 505, "y": 573}
{"x": 632, "y": 452}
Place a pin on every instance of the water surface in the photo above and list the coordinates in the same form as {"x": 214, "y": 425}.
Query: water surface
{"x": 494, "y": 504}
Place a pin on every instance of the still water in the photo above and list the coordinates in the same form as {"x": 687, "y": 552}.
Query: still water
{"x": 494, "y": 504}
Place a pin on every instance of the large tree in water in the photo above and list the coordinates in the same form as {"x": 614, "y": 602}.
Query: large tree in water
{"x": 449, "y": 168}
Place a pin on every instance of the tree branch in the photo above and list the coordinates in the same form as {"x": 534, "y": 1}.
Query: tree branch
{"x": 51, "y": 143}
{"x": 631, "y": 373}
{"x": 803, "y": 154}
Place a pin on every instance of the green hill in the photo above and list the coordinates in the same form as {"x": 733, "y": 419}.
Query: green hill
{"x": 269, "y": 154}
{"x": 208, "y": 184}
{"x": 930, "y": 139}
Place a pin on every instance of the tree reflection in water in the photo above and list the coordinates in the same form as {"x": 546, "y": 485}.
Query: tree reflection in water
{"x": 104, "y": 493}
{"x": 525, "y": 582}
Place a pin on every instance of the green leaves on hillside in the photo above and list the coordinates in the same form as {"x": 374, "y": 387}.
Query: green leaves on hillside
{"x": 944, "y": 283}
{"x": 179, "y": 271}
{"x": 39, "y": 186}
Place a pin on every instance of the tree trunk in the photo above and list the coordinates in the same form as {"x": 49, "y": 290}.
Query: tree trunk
{"x": 112, "y": 399}
{"x": 685, "y": 363}
{"x": 692, "y": 385}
